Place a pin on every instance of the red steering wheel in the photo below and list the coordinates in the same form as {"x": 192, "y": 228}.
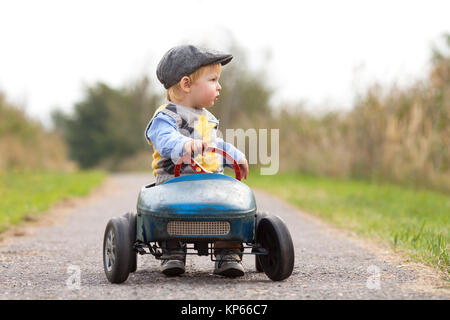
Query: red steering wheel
{"x": 188, "y": 159}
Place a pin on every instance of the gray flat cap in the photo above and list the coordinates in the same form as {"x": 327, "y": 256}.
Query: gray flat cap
{"x": 183, "y": 60}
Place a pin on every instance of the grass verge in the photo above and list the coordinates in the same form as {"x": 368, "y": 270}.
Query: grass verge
{"x": 25, "y": 194}
{"x": 417, "y": 221}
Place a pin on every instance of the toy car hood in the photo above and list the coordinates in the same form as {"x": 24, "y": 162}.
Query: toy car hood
{"x": 197, "y": 194}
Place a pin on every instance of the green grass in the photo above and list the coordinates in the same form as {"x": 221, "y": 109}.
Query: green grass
{"x": 417, "y": 221}
{"x": 26, "y": 194}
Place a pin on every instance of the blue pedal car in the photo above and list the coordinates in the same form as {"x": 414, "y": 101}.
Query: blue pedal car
{"x": 197, "y": 210}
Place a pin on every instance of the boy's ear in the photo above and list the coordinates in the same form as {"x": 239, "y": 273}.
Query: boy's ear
{"x": 185, "y": 84}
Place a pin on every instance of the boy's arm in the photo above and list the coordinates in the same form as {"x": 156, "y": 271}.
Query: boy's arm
{"x": 169, "y": 142}
{"x": 230, "y": 149}
{"x": 164, "y": 135}
{"x": 236, "y": 154}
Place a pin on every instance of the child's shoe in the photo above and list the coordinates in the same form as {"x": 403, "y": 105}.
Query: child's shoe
{"x": 173, "y": 267}
{"x": 174, "y": 258}
{"x": 229, "y": 265}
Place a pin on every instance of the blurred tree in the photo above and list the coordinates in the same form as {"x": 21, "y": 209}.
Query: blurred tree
{"x": 108, "y": 124}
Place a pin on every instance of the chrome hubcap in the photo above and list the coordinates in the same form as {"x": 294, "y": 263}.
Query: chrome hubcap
{"x": 110, "y": 251}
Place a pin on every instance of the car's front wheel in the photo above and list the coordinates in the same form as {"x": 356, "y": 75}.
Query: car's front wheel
{"x": 273, "y": 235}
{"x": 132, "y": 222}
{"x": 258, "y": 265}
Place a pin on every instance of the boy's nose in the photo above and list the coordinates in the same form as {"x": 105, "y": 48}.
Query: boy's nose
{"x": 219, "y": 87}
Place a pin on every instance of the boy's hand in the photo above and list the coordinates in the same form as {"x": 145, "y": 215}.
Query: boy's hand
{"x": 195, "y": 147}
{"x": 243, "y": 164}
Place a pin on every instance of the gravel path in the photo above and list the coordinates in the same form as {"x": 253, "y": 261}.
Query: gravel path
{"x": 46, "y": 263}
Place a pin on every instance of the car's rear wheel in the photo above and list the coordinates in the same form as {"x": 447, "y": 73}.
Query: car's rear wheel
{"x": 273, "y": 235}
{"x": 117, "y": 250}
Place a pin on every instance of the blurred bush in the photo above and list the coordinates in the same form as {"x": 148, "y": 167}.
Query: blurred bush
{"x": 25, "y": 144}
{"x": 391, "y": 134}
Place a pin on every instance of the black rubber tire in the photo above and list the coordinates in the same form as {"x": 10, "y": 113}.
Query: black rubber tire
{"x": 132, "y": 221}
{"x": 258, "y": 265}
{"x": 259, "y": 216}
{"x": 274, "y": 236}
{"x": 120, "y": 268}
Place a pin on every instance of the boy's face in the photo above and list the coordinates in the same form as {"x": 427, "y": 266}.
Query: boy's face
{"x": 205, "y": 90}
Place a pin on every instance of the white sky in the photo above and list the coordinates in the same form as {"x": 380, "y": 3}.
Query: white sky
{"x": 322, "y": 51}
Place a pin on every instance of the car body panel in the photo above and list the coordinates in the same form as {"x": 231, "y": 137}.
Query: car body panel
{"x": 196, "y": 197}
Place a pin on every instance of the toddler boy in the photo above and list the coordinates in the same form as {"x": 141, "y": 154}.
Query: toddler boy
{"x": 191, "y": 76}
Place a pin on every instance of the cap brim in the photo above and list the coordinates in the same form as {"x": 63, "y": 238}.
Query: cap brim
{"x": 223, "y": 61}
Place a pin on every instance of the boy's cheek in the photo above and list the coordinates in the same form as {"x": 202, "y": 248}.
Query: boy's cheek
{"x": 208, "y": 100}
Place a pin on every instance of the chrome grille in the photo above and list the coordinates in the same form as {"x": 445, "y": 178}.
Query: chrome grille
{"x": 190, "y": 228}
